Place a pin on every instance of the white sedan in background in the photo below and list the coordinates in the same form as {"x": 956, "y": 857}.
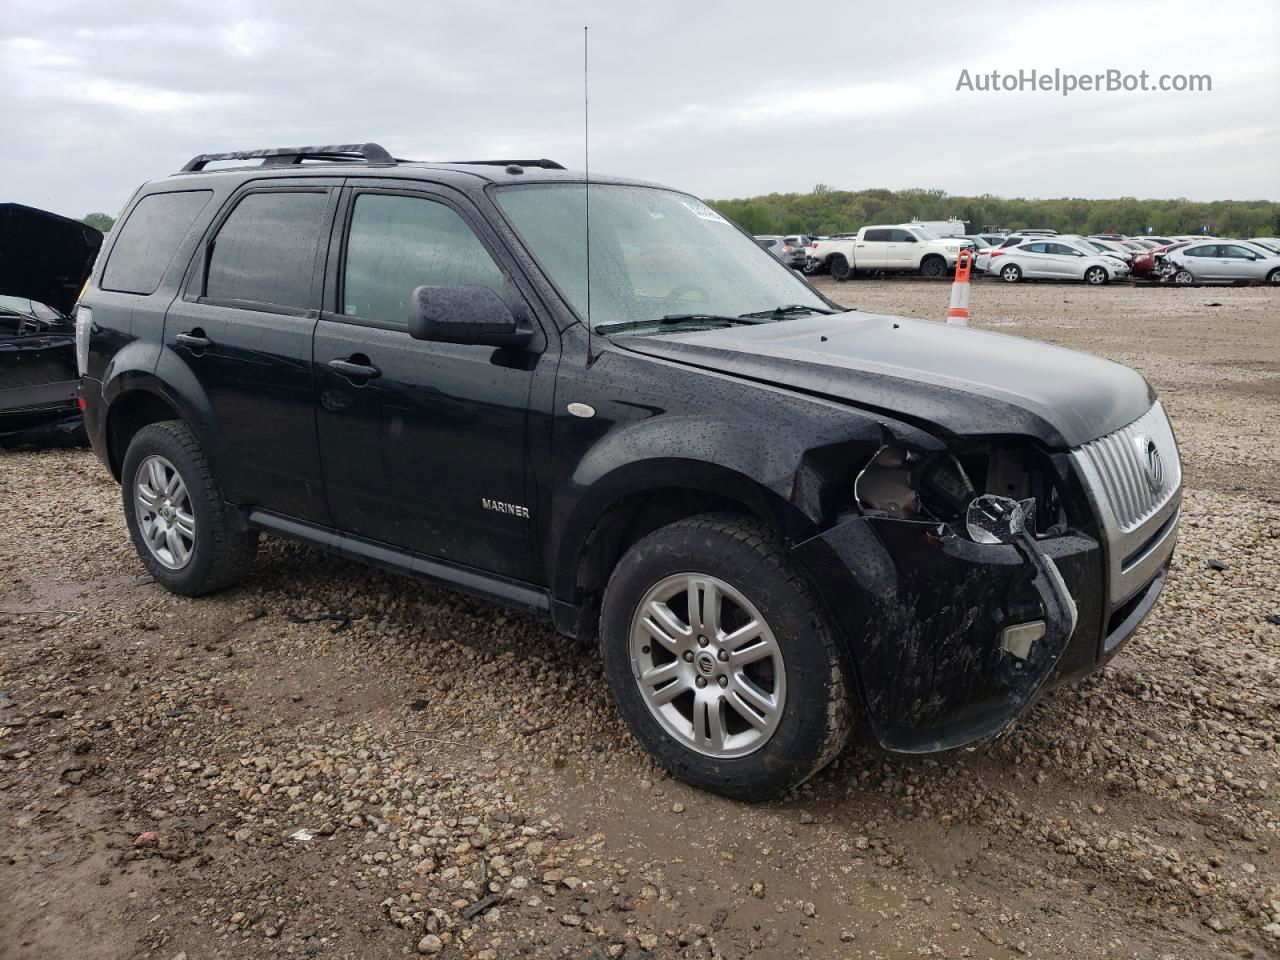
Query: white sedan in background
{"x": 1223, "y": 262}
{"x": 1052, "y": 258}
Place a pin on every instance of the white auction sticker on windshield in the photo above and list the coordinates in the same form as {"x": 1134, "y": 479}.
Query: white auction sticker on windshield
{"x": 700, "y": 209}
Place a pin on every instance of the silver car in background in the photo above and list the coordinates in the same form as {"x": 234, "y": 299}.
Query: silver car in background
{"x": 1225, "y": 261}
{"x": 1053, "y": 258}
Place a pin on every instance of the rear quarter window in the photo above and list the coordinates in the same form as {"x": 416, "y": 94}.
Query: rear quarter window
{"x": 149, "y": 238}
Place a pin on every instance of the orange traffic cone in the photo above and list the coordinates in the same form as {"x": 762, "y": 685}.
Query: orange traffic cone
{"x": 958, "y": 312}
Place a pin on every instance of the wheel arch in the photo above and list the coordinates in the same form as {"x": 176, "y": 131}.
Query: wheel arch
{"x": 640, "y": 497}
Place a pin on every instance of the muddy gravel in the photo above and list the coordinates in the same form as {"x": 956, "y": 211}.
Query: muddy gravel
{"x": 330, "y": 761}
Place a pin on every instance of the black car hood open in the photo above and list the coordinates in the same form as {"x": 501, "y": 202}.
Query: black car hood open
{"x": 43, "y": 256}
{"x": 966, "y": 382}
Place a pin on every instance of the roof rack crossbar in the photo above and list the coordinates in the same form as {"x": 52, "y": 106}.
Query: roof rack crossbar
{"x": 283, "y": 156}
{"x": 544, "y": 163}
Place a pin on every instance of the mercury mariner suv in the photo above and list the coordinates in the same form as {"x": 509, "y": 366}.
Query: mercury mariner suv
{"x": 777, "y": 517}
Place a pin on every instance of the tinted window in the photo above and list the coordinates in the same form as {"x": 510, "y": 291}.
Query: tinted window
{"x": 1011, "y": 241}
{"x": 902, "y": 236}
{"x": 398, "y": 243}
{"x": 265, "y": 252}
{"x": 1205, "y": 251}
{"x": 149, "y": 238}
{"x": 877, "y": 236}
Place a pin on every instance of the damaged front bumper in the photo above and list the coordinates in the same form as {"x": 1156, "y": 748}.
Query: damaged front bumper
{"x": 944, "y": 631}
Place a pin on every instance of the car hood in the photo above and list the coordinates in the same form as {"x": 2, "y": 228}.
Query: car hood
{"x": 43, "y": 256}
{"x": 962, "y": 381}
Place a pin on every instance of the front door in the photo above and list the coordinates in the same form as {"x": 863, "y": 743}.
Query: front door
{"x": 424, "y": 451}
{"x": 243, "y": 329}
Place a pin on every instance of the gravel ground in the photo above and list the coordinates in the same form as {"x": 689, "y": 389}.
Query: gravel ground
{"x": 329, "y": 761}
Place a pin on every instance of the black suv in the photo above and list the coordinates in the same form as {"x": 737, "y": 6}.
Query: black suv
{"x": 768, "y": 510}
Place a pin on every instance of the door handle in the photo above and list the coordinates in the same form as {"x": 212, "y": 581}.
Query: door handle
{"x": 194, "y": 339}
{"x": 355, "y": 371}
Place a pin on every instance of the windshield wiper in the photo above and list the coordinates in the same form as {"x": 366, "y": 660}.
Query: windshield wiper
{"x": 786, "y": 309}
{"x": 673, "y": 320}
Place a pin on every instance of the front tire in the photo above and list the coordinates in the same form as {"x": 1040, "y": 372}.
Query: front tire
{"x": 722, "y": 660}
{"x": 178, "y": 521}
{"x": 1274, "y": 276}
{"x": 1011, "y": 273}
{"x": 839, "y": 268}
{"x": 1095, "y": 276}
{"x": 933, "y": 267}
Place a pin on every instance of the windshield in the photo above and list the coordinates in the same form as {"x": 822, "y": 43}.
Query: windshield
{"x": 654, "y": 253}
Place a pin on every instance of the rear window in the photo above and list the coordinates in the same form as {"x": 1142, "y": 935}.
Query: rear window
{"x": 265, "y": 252}
{"x": 149, "y": 239}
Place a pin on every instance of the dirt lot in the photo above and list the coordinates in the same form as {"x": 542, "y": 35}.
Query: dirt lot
{"x": 332, "y": 762}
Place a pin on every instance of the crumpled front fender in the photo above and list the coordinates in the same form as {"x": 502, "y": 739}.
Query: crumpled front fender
{"x": 922, "y": 611}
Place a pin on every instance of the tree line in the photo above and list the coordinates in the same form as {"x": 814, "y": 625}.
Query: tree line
{"x": 826, "y": 211}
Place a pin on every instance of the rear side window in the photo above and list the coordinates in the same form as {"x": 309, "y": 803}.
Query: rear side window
{"x": 876, "y": 236}
{"x": 265, "y": 252}
{"x": 396, "y": 244}
{"x": 149, "y": 238}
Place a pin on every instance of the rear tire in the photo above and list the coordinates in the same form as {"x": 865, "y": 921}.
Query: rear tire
{"x": 1184, "y": 277}
{"x": 839, "y": 268}
{"x": 1096, "y": 276}
{"x": 750, "y": 717}
{"x": 1010, "y": 273}
{"x": 179, "y": 523}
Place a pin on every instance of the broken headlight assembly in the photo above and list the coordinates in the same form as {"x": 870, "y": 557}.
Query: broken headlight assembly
{"x": 992, "y": 496}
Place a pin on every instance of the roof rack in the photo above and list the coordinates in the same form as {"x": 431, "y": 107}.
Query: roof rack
{"x": 544, "y": 163}
{"x": 285, "y": 156}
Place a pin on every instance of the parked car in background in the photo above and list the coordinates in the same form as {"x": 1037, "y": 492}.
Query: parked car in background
{"x": 790, "y": 250}
{"x": 898, "y": 248}
{"x": 1268, "y": 243}
{"x": 1056, "y": 259}
{"x": 44, "y": 262}
{"x": 1146, "y": 266}
{"x": 1221, "y": 262}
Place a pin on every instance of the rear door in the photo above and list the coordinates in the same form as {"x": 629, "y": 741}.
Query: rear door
{"x": 426, "y": 454}
{"x": 1202, "y": 261}
{"x": 243, "y": 329}
{"x": 873, "y": 250}
{"x": 1031, "y": 257}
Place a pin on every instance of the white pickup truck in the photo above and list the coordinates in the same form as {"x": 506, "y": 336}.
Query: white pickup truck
{"x": 900, "y": 248}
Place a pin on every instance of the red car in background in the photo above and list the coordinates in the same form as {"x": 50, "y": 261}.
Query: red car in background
{"x": 1144, "y": 264}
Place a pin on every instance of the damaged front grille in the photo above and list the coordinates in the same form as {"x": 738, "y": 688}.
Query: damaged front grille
{"x": 1137, "y": 467}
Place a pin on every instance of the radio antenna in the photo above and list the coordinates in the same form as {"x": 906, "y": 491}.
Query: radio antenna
{"x": 586, "y": 186}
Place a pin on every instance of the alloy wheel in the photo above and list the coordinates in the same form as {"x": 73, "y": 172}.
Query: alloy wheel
{"x": 707, "y": 665}
{"x": 164, "y": 512}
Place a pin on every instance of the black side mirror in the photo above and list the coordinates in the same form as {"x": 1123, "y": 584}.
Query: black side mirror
{"x": 468, "y": 314}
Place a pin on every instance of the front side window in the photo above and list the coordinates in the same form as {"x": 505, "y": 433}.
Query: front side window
{"x": 654, "y": 253}
{"x": 265, "y": 252}
{"x": 396, "y": 244}
{"x": 1237, "y": 252}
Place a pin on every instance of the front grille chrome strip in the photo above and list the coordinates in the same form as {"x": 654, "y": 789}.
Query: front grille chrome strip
{"x": 1121, "y": 462}
{"x": 1134, "y": 478}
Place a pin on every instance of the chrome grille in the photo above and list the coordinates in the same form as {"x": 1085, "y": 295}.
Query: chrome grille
{"x": 1137, "y": 468}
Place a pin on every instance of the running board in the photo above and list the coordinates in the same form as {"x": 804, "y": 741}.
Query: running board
{"x": 511, "y": 593}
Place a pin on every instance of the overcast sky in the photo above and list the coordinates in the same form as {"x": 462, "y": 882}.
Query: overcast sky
{"x": 723, "y": 99}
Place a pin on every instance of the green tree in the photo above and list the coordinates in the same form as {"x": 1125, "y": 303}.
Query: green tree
{"x": 99, "y": 221}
